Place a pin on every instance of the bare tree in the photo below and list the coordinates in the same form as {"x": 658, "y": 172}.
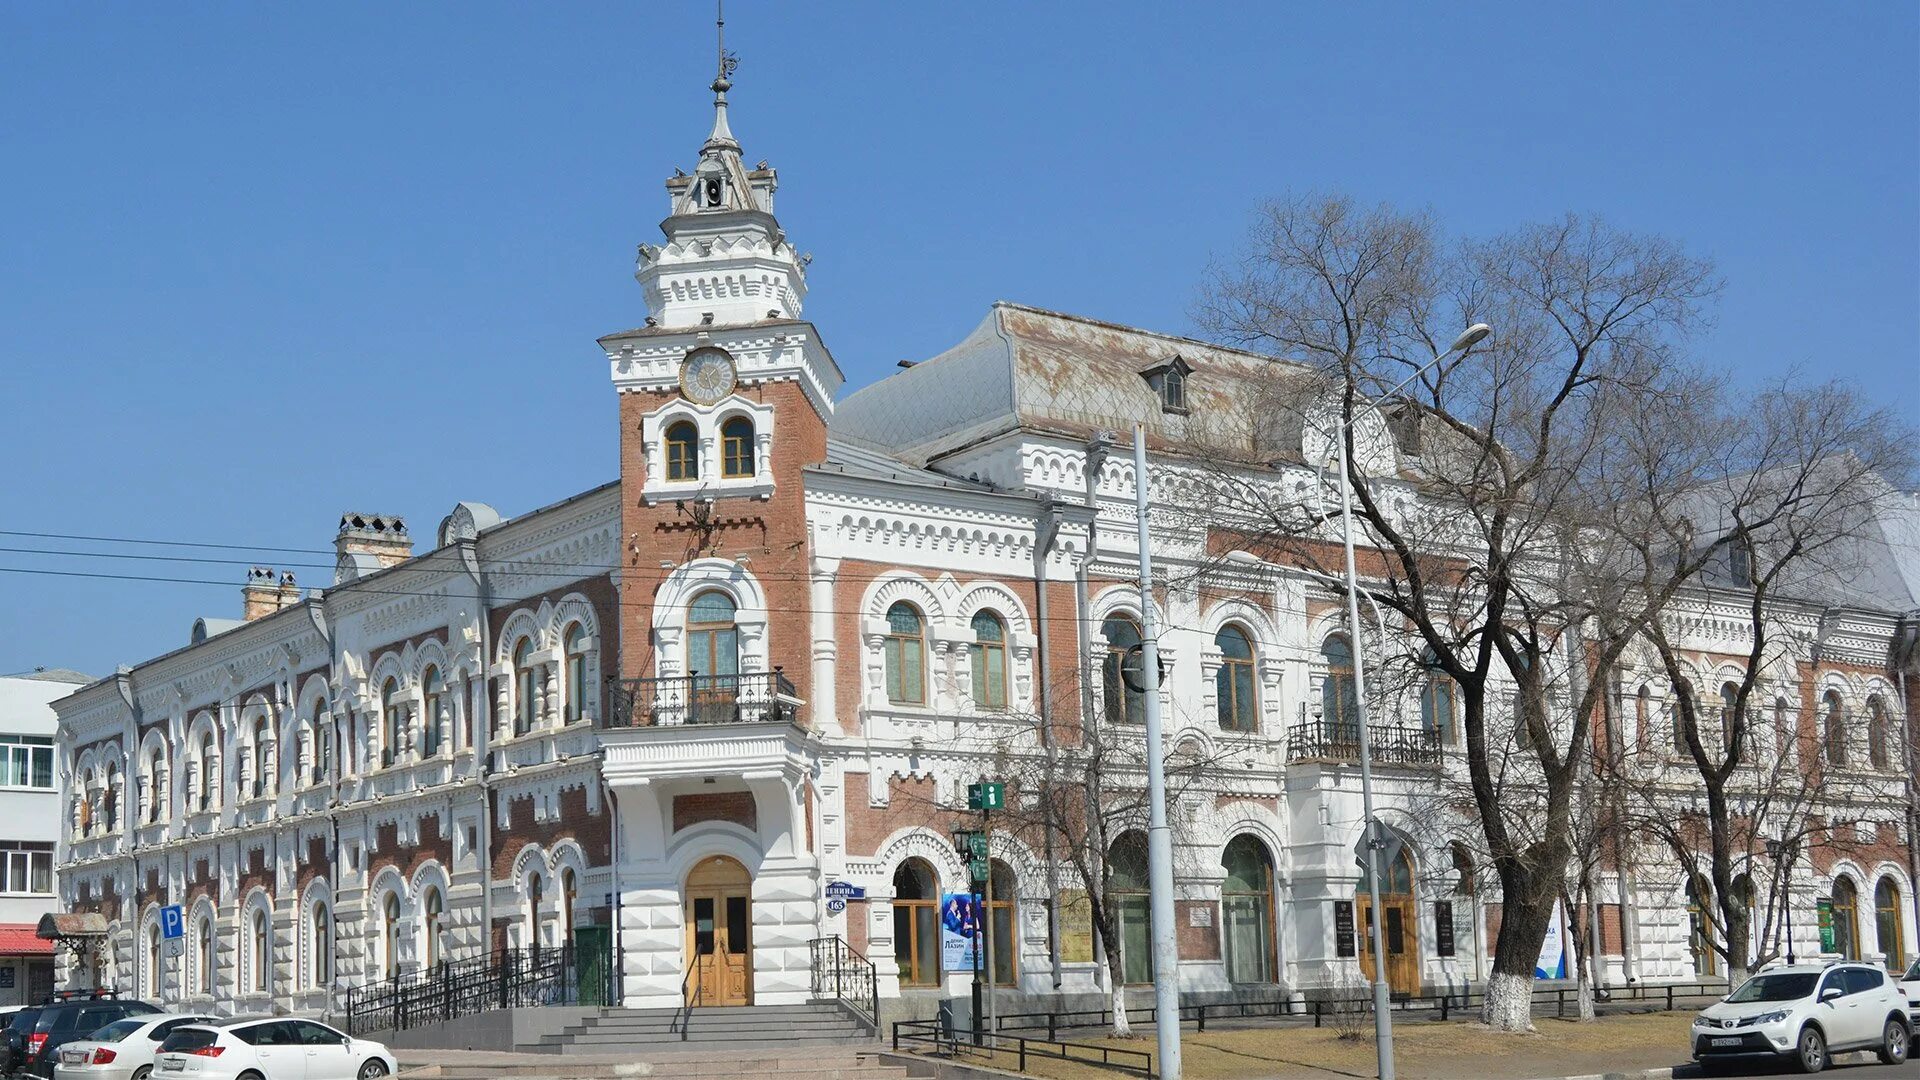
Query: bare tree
{"x": 1543, "y": 504}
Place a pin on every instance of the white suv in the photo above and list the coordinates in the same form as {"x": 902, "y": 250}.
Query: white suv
{"x": 1808, "y": 1013}
{"x": 1910, "y": 986}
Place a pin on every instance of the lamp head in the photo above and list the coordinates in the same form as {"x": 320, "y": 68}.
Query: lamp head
{"x": 1471, "y": 336}
{"x": 1244, "y": 558}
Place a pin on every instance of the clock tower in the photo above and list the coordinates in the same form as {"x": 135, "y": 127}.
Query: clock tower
{"x": 724, "y": 399}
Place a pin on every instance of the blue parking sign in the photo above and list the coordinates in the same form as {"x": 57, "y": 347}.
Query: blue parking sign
{"x": 173, "y": 922}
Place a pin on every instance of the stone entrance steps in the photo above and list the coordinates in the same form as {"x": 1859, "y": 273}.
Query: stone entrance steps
{"x": 740, "y": 1026}
{"x": 708, "y": 1065}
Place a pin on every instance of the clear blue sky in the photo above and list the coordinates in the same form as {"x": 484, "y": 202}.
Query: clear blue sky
{"x": 260, "y": 264}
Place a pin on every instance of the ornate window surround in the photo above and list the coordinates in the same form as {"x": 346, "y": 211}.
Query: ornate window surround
{"x": 707, "y": 421}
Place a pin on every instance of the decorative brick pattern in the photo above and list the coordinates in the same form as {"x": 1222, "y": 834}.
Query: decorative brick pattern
{"x": 734, "y": 806}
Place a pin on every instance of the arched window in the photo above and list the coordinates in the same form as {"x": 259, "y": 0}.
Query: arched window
{"x": 1339, "y": 707}
{"x": 322, "y": 743}
{"x": 1782, "y": 729}
{"x": 1680, "y": 712}
{"x": 989, "y": 650}
{"x": 1006, "y": 941}
{"x": 1465, "y": 883}
{"x": 320, "y": 966}
{"x": 1699, "y": 928}
{"x": 207, "y": 945}
{"x": 390, "y": 936}
{"x": 262, "y": 757}
{"x": 1887, "y": 924}
{"x": 1846, "y": 919}
{"x": 431, "y": 910}
{"x": 916, "y": 923}
{"x": 1246, "y": 911}
{"x": 1436, "y": 699}
{"x": 1835, "y": 724}
{"x": 261, "y": 955}
{"x": 209, "y": 773}
{"x": 736, "y": 448}
{"x": 390, "y": 709}
{"x": 110, "y": 800}
{"x": 1236, "y": 704}
{"x": 575, "y": 642}
{"x": 156, "y": 784}
{"x": 1729, "y": 712}
{"x": 683, "y": 451}
{"x": 433, "y": 701}
{"x": 1122, "y": 662}
{"x": 713, "y": 658}
{"x": 569, "y": 893}
{"x": 1399, "y": 881}
{"x": 523, "y": 679}
{"x": 906, "y": 647}
{"x": 536, "y": 916}
{"x": 1643, "y": 719}
{"x": 153, "y": 960}
{"x": 1879, "y": 733}
{"x": 1127, "y": 877}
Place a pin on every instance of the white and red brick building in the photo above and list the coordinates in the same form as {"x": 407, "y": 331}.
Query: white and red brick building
{"x": 771, "y": 653}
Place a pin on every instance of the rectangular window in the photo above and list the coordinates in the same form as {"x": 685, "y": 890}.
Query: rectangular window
{"x": 26, "y": 868}
{"x": 26, "y": 761}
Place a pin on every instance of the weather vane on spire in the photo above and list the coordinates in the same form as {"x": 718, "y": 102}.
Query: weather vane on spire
{"x": 727, "y": 60}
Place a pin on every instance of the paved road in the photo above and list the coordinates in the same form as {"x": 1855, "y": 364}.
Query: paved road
{"x": 1873, "y": 1070}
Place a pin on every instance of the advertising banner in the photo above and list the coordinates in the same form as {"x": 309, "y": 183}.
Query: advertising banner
{"x": 1076, "y": 927}
{"x": 959, "y": 930}
{"x": 1553, "y": 950}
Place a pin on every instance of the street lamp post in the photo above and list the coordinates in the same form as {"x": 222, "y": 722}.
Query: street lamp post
{"x": 1382, "y": 990}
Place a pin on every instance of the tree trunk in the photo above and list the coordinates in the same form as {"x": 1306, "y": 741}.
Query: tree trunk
{"x": 1523, "y": 925}
{"x": 1121, "y": 1029}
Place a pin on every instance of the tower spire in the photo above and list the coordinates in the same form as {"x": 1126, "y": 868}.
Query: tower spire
{"x": 724, "y": 63}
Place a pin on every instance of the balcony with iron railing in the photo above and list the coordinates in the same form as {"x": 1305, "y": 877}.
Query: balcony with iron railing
{"x": 1388, "y": 745}
{"x": 759, "y": 697}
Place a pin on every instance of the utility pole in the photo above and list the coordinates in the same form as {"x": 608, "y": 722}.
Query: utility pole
{"x": 1166, "y": 954}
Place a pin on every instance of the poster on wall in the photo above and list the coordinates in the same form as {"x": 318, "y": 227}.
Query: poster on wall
{"x": 959, "y": 929}
{"x": 1553, "y": 950}
{"x": 1076, "y": 927}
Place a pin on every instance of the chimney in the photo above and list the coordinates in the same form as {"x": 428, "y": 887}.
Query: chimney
{"x": 262, "y": 595}
{"x": 370, "y": 542}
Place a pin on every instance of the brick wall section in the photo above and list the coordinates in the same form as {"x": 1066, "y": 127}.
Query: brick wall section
{"x": 591, "y": 831}
{"x": 152, "y": 890}
{"x": 256, "y": 871}
{"x": 1197, "y": 942}
{"x": 909, "y": 803}
{"x": 428, "y": 845}
{"x": 202, "y": 881}
{"x": 773, "y": 533}
{"x": 1612, "y": 935}
{"x": 315, "y": 862}
{"x": 734, "y": 806}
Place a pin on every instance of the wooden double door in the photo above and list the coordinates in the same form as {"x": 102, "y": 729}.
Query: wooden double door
{"x": 719, "y": 920}
{"x": 1400, "y": 927}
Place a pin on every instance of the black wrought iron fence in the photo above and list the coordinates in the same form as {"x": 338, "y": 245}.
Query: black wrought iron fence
{"x": 1339, "y": 740}
{"x": 508, "y": 979}
{"x": 842, "y": 974}
{"x": 756, "y": 697}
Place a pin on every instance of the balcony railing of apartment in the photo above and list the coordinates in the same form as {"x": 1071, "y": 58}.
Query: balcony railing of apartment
{"x": 1388, "y": 744}
{"x": 760, "y": 697}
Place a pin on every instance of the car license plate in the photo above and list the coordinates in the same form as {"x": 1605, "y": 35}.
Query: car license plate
{"x": 1735, "y": 1041}
{"x": 173, "y": 1064}
{"x": 73, "y": 1057}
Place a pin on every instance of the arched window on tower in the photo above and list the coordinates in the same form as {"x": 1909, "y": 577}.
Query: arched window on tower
{"x": 1236, "y": 704}
{"x": 736, "y": 448}
{"x": 1834, "y": 724}
{"x": 906, "y": 650}
{"x": 713, "y": 658}
{"x": 989, "y": 656}
{"x": 1120, "y": 671}
{"x": 683, "y": 451}
{"x": 1879, "y": 734}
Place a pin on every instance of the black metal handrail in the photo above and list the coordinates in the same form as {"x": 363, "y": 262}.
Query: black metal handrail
{"x": 510, "y": 978}
{"x": 841, "y": 973}
{"x": 1339, "y": 740}
{"x": 954, "y": 1042}
{"x": 751, "y": 698}
{"x": 683, "y": 1019}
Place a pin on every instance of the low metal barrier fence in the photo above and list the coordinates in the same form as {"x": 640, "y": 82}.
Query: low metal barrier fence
{"x": 954, "y": 1042}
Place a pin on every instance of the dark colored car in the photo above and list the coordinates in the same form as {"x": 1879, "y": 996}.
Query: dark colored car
{"x": 64, "y": 1020}
{"x": 13, "y": 1039}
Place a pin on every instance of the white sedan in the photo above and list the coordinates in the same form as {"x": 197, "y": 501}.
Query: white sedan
{"x": 123, "y": 1050}
{"x": 270, "y": 1049}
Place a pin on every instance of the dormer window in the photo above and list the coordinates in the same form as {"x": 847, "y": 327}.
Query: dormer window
{"x": 1168, "y": 380}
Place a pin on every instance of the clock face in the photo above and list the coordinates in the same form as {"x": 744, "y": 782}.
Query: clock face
{"x": 707, "y": 375}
